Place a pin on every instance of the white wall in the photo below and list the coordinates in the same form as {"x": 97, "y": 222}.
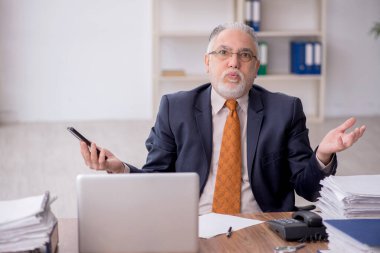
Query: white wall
{"x": 75, "y": 60}
{"x": 353, "y": 63}
{"x": 91, "y": 59}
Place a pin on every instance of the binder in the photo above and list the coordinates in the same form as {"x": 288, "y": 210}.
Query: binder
{"x": 306, "y": 57}
{"x": 309, "y": 57}
{"x": 317, "y": 57}
{"x": 263, "y": 48}
{"x": 297, "y": 51}
{"x": 252, "y": 14}
{"x": 354, "y": 235}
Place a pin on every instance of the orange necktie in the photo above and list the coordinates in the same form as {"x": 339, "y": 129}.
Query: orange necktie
{"x": 228, "y": 178}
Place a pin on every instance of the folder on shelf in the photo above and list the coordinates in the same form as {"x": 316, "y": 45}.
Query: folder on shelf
{"x": 306, "y": 57}
{"x": 252, "y": 14}
{"x": 309, "y": 57}
{"x": 354, "y": 235}
{"x": 263, "y": 48}
{"x": 317, "y": 58}
{"x": 297, "y": 57}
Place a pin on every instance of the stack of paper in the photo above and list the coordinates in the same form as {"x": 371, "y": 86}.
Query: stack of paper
{"x": 344, "y": 197}
{"x": 354, "y": 235}
{"x": 26, "y": 224}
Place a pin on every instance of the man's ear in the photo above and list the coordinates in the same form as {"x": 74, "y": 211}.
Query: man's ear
{"x": 206, "y": 61}
{"x": 257, "y": 66}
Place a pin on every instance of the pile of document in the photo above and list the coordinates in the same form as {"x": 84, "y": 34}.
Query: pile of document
{"x": 344, "y": 197}
{"x": 27, "y": 224}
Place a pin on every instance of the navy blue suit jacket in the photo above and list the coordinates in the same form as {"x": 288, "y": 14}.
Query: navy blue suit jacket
{"x": 279, "y": 157}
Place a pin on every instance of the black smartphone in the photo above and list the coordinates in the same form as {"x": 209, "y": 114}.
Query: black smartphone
{"x": 82, "y": 138}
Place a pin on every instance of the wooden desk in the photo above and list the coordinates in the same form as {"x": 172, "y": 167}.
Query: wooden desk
{"x": 258, "y": 238}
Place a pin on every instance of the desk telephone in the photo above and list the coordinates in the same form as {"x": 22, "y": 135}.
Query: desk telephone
{"x": 304, "y": 226}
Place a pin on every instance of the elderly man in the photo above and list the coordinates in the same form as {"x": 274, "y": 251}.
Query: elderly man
{"x": 250, "y": 147}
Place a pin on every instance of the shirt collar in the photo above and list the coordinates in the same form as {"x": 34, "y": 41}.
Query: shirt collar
{"x": 217, "y": 102}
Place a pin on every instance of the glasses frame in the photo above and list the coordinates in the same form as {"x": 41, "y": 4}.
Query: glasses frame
{"x": 229, "y": 54}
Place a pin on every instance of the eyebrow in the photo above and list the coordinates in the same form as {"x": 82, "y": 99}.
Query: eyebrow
{"x": 239, "y": 50}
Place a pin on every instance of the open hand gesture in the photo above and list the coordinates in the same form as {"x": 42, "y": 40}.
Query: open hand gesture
{"x": 338, "y": 140}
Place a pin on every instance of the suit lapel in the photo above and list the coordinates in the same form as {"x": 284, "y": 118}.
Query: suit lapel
{"x": 254, "y": 122}
{"x": 203, "y": 119}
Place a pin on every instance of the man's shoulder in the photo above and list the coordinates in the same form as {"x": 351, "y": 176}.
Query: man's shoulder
{"x": 270, "y": 95}
{"x": 190, "y": 97}
{"x": 189, "y": 93}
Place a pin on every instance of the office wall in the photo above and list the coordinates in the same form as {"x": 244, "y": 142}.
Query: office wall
{"x": 63, "y": 60}
{"x": 75, "y": 59}
{"x": 353, "y": 74}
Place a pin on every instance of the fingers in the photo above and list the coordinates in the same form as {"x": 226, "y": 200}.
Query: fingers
{"x": 354, "y": 136}
{"x": 85, "y": 153}
{"x": 94, "y": 156}
{"x": 362, "y": 130}
{"x": 347, "y": 124}
{"x": 91, "y": 157}
{"x": 102, "y": 159}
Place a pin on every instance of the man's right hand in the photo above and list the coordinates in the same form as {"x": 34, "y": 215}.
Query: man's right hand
{"x": 112, "y": 164}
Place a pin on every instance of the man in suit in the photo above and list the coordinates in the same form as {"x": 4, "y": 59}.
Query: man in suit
{"x": 276, "y": 157}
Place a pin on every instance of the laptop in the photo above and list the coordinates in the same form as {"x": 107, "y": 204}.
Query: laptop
{"x": 147, "y": 212}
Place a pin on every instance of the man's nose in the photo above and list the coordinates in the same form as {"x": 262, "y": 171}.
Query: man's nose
{"x": 233, "y": 61}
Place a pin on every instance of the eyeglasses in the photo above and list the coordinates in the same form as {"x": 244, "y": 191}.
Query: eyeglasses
{"x": 244, "y": 56}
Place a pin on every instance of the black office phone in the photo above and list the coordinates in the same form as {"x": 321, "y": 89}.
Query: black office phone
{"x": 303, "y": 226}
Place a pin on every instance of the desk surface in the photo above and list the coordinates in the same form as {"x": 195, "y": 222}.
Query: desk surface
{"x": 258, "y": 238}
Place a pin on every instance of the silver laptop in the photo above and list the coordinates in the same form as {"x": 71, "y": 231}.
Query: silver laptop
{"x": 149, "y": 212}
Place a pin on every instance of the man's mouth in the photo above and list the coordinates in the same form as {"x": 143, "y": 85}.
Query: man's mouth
{"x": 233, "y": 77}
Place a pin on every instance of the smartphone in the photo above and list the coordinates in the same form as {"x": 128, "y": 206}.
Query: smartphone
{"x": 82, "y": 138}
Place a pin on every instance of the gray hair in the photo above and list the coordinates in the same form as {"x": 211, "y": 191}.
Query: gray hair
{"x": 237, "y": 26}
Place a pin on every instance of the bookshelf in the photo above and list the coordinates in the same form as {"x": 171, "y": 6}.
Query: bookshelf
{"x": 180, "y": 35}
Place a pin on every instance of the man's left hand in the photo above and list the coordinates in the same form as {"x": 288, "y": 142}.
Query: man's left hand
{"x": 338, "y": 140}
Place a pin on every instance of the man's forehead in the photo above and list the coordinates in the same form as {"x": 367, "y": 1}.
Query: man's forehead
{"x": 239, "y": 49}
{"x": 234, "y": 39}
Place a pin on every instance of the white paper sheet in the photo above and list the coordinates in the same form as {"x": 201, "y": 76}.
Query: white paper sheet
{"x": 213, "y": 224}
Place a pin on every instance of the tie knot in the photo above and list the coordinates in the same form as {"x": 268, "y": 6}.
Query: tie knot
{"x": 231, "y": 104}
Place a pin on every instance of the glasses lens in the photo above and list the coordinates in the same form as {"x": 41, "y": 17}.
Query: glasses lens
{"x": 245, "y": 56}
{"x": 224, "y": 54}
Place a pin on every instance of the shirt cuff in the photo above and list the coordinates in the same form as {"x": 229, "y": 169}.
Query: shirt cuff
{"x": 126, "y": 168}
{"x": 326, "y": 169}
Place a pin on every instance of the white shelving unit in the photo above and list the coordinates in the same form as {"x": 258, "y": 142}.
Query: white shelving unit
{"x": 180, "y": 35}
{"x": 284, "y": 21}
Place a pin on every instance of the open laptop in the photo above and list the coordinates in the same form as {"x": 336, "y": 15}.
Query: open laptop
{"x": 148, "y": 212}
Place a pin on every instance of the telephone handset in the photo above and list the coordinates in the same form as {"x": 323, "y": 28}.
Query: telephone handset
{"x": 304, "y": 226}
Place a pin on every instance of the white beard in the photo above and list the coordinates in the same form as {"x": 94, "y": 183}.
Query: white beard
{"x": 234, "y": 92}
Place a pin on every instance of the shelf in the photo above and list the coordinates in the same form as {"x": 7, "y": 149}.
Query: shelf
{"x": 288, "y": 77}
{"x": 179, "y": 44}
{"x": 187, "y": 78}
{"x": 305, "y": 33}
{"x": 275, "y": 77}
{"x": 262, "y": 34}
{"x": 180, "y": 34}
